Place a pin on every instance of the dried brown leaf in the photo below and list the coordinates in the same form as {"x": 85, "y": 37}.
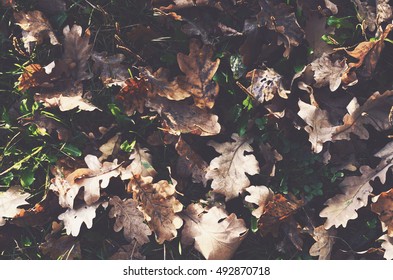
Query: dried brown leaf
{"x": 65, "y": 247}
{"x": 383, "y": 206}
{"x": 266, "y": 84}
{"x": 128, "y": 252}
{"x": 133, "y": 96}
{"x": 324, "y": 241}
{"x": 228, "y": 171}
{"x": 356, "y": 190}
{"x": 158, "y": 203}
{"x": 270, "y": 156}
{"x": 129, "y": 218}
{"x": 387, "y": 245}
{"x": 110, "y": 69}
{"x": 180, "y": 117}
{"x": 375, "y": 112}
{"x": 35, "y": 29}
{"x": 141, "y": 164}
{"x": 215, "y": 234}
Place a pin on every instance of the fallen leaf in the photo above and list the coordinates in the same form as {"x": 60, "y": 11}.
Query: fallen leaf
{"x": 183, "y": 118}
{"x": 182, "y": 4}
{"x": 74, "y": 218}
{"x": 259, "y": 195}
{"x": 64, "y": 248}
{"x": 387, "y": 245}
{"x": 356, "y": 190}
{"x": 375, "y": 112}
{"x": 215, "y": 234}
{"x": 129, "y": 218}
{"x": 191, "y": 162}
{"x": 10, "y": 200}
{"x": 324, "y": 241}
{"x": 367, "y": 55}
{"x": 93, "y": 178}
{"x": 228, "y": 171}
{"x": 77, "y": 51}
{"x": 199, "y": 70}
{"x": 276, "y": 211}
{"x": 327, "y": 72}
{"x": 133, "y": 95}
{"x": 318, "y": 127}
{"x": 110, "y": 148}
{"x": 110, "y": 69}
{"x": 384, "y": 11}
{"x": 33, "y": 75}
{"x": 35, "y": 29}
{"x": 266, "y": 84}
{"x": 158, "y": 204}
{"x": 281, "y": 19}
{"x": 141, "y": 164}
{"x": 366, "y": 14}
{"x": 383, "y": 206}
{"x": 52, "y": 7}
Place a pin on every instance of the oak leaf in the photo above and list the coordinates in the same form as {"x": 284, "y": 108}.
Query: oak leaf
{"x": 228, "y": 171}
{"x": 266, "y": 84}
{"x": 77, "y": 51}
{"x": 281, "y": 19}
{"x": 318, "y": 127}
{"x": 93, "y": 178}
{"x": 35, "y": 29}
{"x": 141, "y": 164}
{"x": 356, "y": 190}
{"x": 199, "y": 70}
{"x": 10, "y": 200}
{"x": 383, "y": 206}
{"x": 259, "y": 195}
{"x": 375, "y": 112}
{"x": 276, "y": 211}
{"x": 159, "y": 206}
{"x": 109, "y": 148}
{"x": 214, "y": 233}
{"x": 65, "y": 247}
{"x": 367, "y": 54}
{"x": 191, "y": 162}
{"x": 270, "y": 156}
{"x": 327, "y": 72}
{"x": 110, "y": 69}
{"x": 128, "y": 252}
{"x": 324, "y": 241}
{"x": 74, "y": 218}
{"x": 133, "y": 95}
{"x": 129, "y": 218}
{"x": 179, "y": 117}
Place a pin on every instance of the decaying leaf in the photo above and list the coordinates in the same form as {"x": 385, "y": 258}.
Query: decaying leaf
{"x": 182, "y": 4}
{"x": 276, "y": 211}
{"x": 356, "y": 190}
{"x": 129, "y": 218}
{"x": 327, "y": 72}
{"x": 374, "y": 112}
{"x": 133, "y": 96}
{"x": 318, "y": 127}
{"x": 77, "y": 51}
{"x": 199, "y": 70}
{"x": 110, "y": 147}
{"x": 10, "y": 200}
{"x": 387, "y": 245}
{"x": 191, "y": 162}
{"x": 93, "y": 178}
{"x": 266, "y": 84}
{"x": 52, "y": 6}
{"x": 259, "y": 195}
{"x": 112, "y": 72}
{"x": 215, "y": 234}
{"x": 179, "y": 117}
{"x": 383, "y": 206}
{"x": 141, "y": 164}
{"x": 65, "y": 247}
{"x": 281, "y": 19}
{"x": 228, "y": 171}
{"x": 74, "y": 218}
{"x": 367, "y": 54}
{"x": 33, "y": 75}
{"x": 372, "y": 16}
{"x": 35, "y": 29}
{"x": 159, "y": 206}
{"x": 324, "y": 241}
